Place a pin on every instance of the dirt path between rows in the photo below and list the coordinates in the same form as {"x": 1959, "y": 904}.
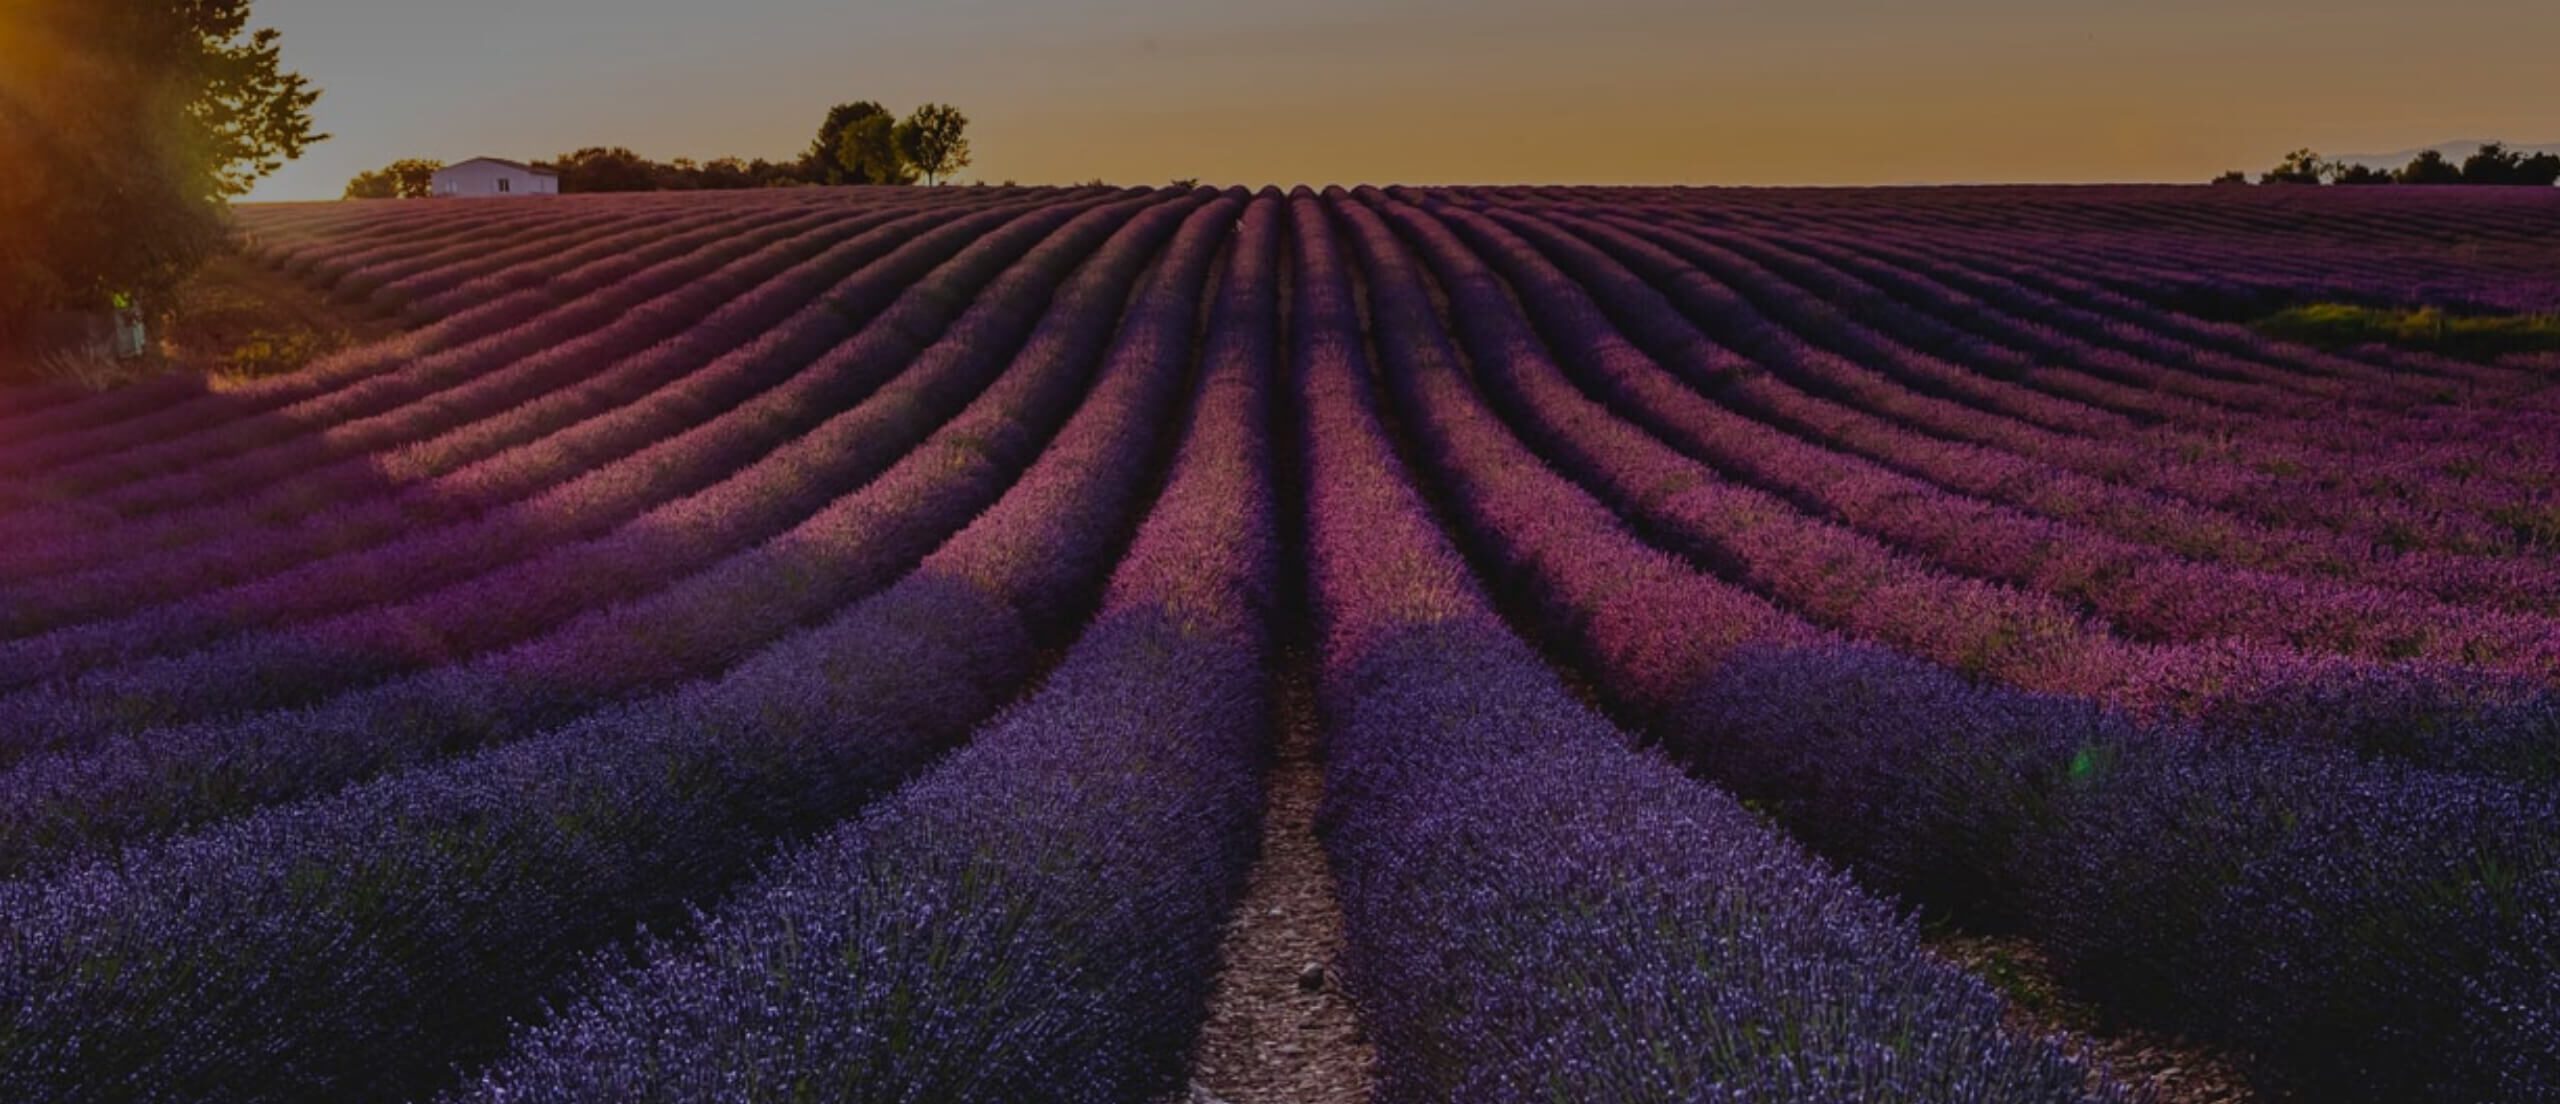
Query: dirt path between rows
{"x": 1280, "y": 1029}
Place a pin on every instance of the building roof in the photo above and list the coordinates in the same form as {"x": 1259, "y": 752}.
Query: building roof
{"x": 516, "y": 165}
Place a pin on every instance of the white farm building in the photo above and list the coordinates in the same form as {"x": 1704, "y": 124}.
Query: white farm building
{"x": 490, "y": 176}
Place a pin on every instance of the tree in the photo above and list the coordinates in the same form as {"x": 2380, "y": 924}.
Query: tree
{"x": 605, "y": 169}
{"x": 616, "y": 169}
{"x": 2493, "y": 163}
{"x": 2359, "y": 174}
{"x": 724, "y": 173}
{"x": 822, "y": 159}
{"x": 867, "y": 153}
{"x": 2232, "y": 177}
{"x": 407, "y": 178}
{"x": 935, "y": 140}
{"x": 774, "y": 174}
{"x": 128, "y": 125}
{"x": 2302, "y": 166}
{"x": 2430, "y": 167}
{"x": 2541, "y": 170}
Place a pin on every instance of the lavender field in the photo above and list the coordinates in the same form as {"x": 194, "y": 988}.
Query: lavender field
{"x": 831, "y": 644}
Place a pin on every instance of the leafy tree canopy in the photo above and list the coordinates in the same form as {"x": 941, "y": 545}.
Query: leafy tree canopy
{"x": 617, "y": 169}
{"x": 407, "y": 178}
{"x": 127, "y": 125}
{"x": 604, "y": 169}
{"x": 2496, "y": 164}
{"x": 858, "y": 143}
{"x": 825, "y": 160}
{"x": 935, "y": 140}
{"x": 2493, "y": 163}
{"x": 2302, "y": 166}
{"x": 2431, "y": 167}
{"x": 867, "y": 153}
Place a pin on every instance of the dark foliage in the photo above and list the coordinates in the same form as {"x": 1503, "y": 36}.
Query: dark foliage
{"x": 128, "y": 124}
{"x": 407, "y": 178}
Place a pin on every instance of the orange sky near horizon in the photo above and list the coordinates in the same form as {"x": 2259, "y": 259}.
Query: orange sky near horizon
{"x": 1434, "y": 91}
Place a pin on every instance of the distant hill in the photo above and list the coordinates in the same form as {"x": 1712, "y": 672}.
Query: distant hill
{"x": 2454, "y": 151}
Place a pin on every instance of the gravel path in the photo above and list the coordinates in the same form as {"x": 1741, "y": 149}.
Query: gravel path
{"x": 1280, "y": 1029}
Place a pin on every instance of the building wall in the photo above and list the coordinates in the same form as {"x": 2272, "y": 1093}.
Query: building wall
{"x": 483, "y": 178}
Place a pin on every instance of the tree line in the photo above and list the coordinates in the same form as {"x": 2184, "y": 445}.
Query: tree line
{"x": 858, "y": 143}
{"x": 2493, "y": 163}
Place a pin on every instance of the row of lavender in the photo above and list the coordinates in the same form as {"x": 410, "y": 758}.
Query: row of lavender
{"x": 1868, "y": 550}
{"x": 365, "y": 938}
{"x": 2364, "y": 929}
{"x": 2491, "y": 579}
{"x": 624, "y": 604}
{"x": 369, "y": 933}
{"x": 2032, "y": 395}
{"x": 2464, "y": 577}
{"x": 1594, "y": 926}
{"x": 2490, "y": 243}
{"x": 683, "y": 499}
{"x": 902, "y": 492}
{"x": 614, "y": 615}
{"x": 365, "y": 941}
{"x": 1035, "y": 919}
{"x": 477, "y": 300}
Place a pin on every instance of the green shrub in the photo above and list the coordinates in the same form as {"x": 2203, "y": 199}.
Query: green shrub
{"x": 2337, "y": 325}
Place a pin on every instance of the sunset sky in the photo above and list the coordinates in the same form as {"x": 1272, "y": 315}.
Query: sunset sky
{"x": 1425, "y": 91}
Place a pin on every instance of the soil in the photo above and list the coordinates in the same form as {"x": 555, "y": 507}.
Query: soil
{"x": 240, "y": 319}
{"x": 1281, "y": 1030}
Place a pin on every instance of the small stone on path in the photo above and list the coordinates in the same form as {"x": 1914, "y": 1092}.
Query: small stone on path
{"x": 1311, "y": 977}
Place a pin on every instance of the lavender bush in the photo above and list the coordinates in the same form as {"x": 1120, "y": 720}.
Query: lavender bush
{"x": 1038, "y": 917}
